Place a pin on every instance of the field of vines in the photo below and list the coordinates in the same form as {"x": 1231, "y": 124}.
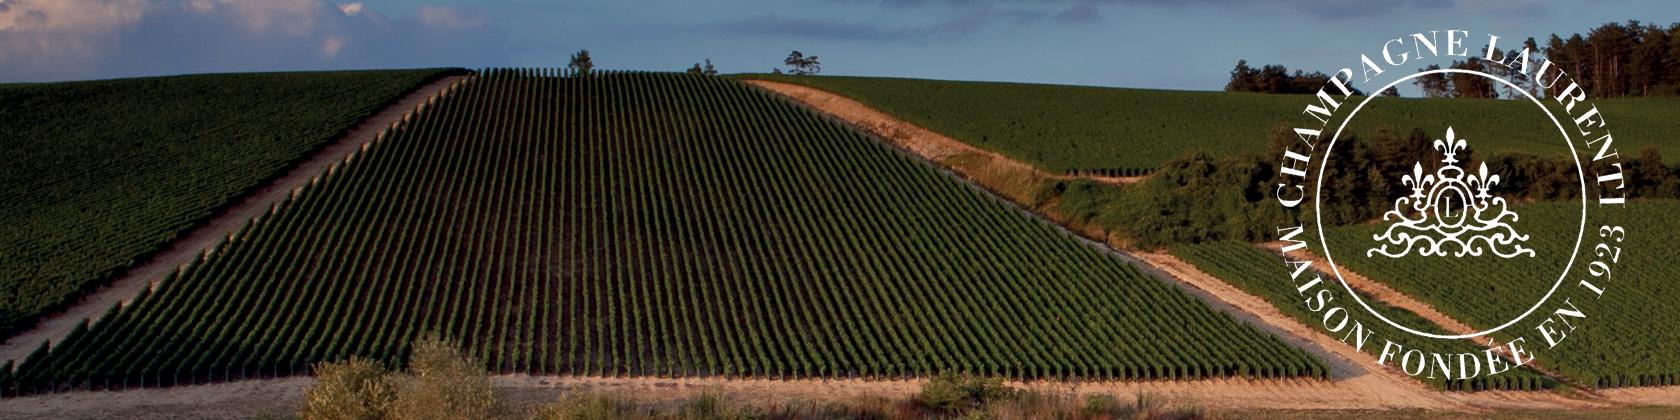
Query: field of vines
{"x": 1633, "y": 317}
{"x": 653, "y": 224}
{"x": 1120, "y": 131}
{"x": 100, "y": 174}
{"x": 1263, "y": 274}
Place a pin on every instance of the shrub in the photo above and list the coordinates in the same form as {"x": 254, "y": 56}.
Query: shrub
{"x": 1103, "y": 405}
{"x": 350, "y": 389}
{"x": 955, "y": 393}
{"x": 443, "y": 383}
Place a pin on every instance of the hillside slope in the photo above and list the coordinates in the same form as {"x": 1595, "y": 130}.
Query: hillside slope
{"x": 100, "y": 174}
{"x": 1633, "y": 317}
{"x": 656, "y": 224}
{"x": 1623, "y": 322}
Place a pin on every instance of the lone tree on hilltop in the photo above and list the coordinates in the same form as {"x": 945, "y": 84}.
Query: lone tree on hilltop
{"x": 581, "y": 62}
{"x": 708, "y": 70}
{"x": 799, "y": 64}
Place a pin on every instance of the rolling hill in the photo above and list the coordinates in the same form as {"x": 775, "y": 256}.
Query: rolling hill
{"x": 100, "y": 174}
{"x": 1499, "y": 289}
{"x": 655, "y": 224}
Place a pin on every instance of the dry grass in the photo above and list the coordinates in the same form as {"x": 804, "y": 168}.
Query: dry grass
{"x": 445, "y": 384}
{"x": 440, "y": 383}
{"x": 351, "y": 389}
{"x": 945, "y": 396}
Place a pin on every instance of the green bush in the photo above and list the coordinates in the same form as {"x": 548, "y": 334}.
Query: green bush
{"x": 958, "y": 393}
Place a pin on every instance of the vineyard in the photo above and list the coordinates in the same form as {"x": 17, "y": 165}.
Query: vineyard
{"x": 653, "y": 224}
{"x": 1263, "y": 274}
{"x": 1630, "y": 319}
{"x": 1125, "y": 132}
{"x": 100, "y": 174}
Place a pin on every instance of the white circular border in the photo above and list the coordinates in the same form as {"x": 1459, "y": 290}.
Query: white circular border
{"x": 1318, "y": 217}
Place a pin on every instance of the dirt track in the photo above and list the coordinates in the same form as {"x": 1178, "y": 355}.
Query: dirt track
{"x": 280, "y": 397}
{"x": 1351, "y": 371}
{"x": 921, "y": 141}
{"x": 1380, "y": 292}
{"x": 1387, "y": 295}
{"x": 195, "y": 242}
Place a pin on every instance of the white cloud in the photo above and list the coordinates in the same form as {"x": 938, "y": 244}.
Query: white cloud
{"x": 291, "y": 17}
{"x": 47, "y": 36}
{"x": 449, "y": 17}
{"x": 67, "y": 15}
{"x": 42, "y": 40}
{"x": 331, "y": 45}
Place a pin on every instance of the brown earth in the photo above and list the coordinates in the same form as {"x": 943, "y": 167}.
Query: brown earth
{"x": 1013, "y": 179}
{"x": 281, "y": 397}
{"x": 1376, "y": 290}
{"x": 187, "y": 248}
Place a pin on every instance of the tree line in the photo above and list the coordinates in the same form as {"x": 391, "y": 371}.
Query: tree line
{"x": 1274, "y": 78}
{"x": 1173, "y": 205}
{"x": 1621, "y": 59}
{"x": 1615, "y": 59}
{"x": 798, "y": 64}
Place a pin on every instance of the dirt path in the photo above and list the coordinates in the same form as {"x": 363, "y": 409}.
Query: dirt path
{"x": 271, "y": 398}
{"x": 1376, "y": 290}
{"x": 1351, "y": 371}
{"x": 281, "y": 397}
{"x": 1382, "y": 293}
{"x": 1348, "y": 366}
{"x": 1380, "y": 389}
{"x": 207, "y": 235}
{"x": 993, "y": 170}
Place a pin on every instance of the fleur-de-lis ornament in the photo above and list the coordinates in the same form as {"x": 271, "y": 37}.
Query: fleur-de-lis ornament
{"x": 1450, "y": 147}
{"x": 1450, "y": 212}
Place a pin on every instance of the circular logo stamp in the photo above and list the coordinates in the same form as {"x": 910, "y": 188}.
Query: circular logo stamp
{"x": 1432, "y": 226}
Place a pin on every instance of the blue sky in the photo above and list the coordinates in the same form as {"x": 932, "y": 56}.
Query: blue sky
{"x": 1133, "y": 43}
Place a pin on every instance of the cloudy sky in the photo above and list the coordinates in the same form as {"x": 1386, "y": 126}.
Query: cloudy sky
{"x": 1136, "y": 43}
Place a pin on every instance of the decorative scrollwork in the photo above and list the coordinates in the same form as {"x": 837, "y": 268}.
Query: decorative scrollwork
{"x": 1450, "y": 212}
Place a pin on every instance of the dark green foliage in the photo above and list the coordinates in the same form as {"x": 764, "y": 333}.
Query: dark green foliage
{"x": 1199, "y": 197}
{"x": 708, "y": 70}
{"x": 659, "y": 224}
{"x": 100, "y": 174}
{"x": 1274, "y": 78}
{"x": 801, "y": 65}
{"x": 957, "y": 393}
{"x": 1621, "y": 59}
{"x": 581, "y": 62}
{"x": 1192, "y": 199}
